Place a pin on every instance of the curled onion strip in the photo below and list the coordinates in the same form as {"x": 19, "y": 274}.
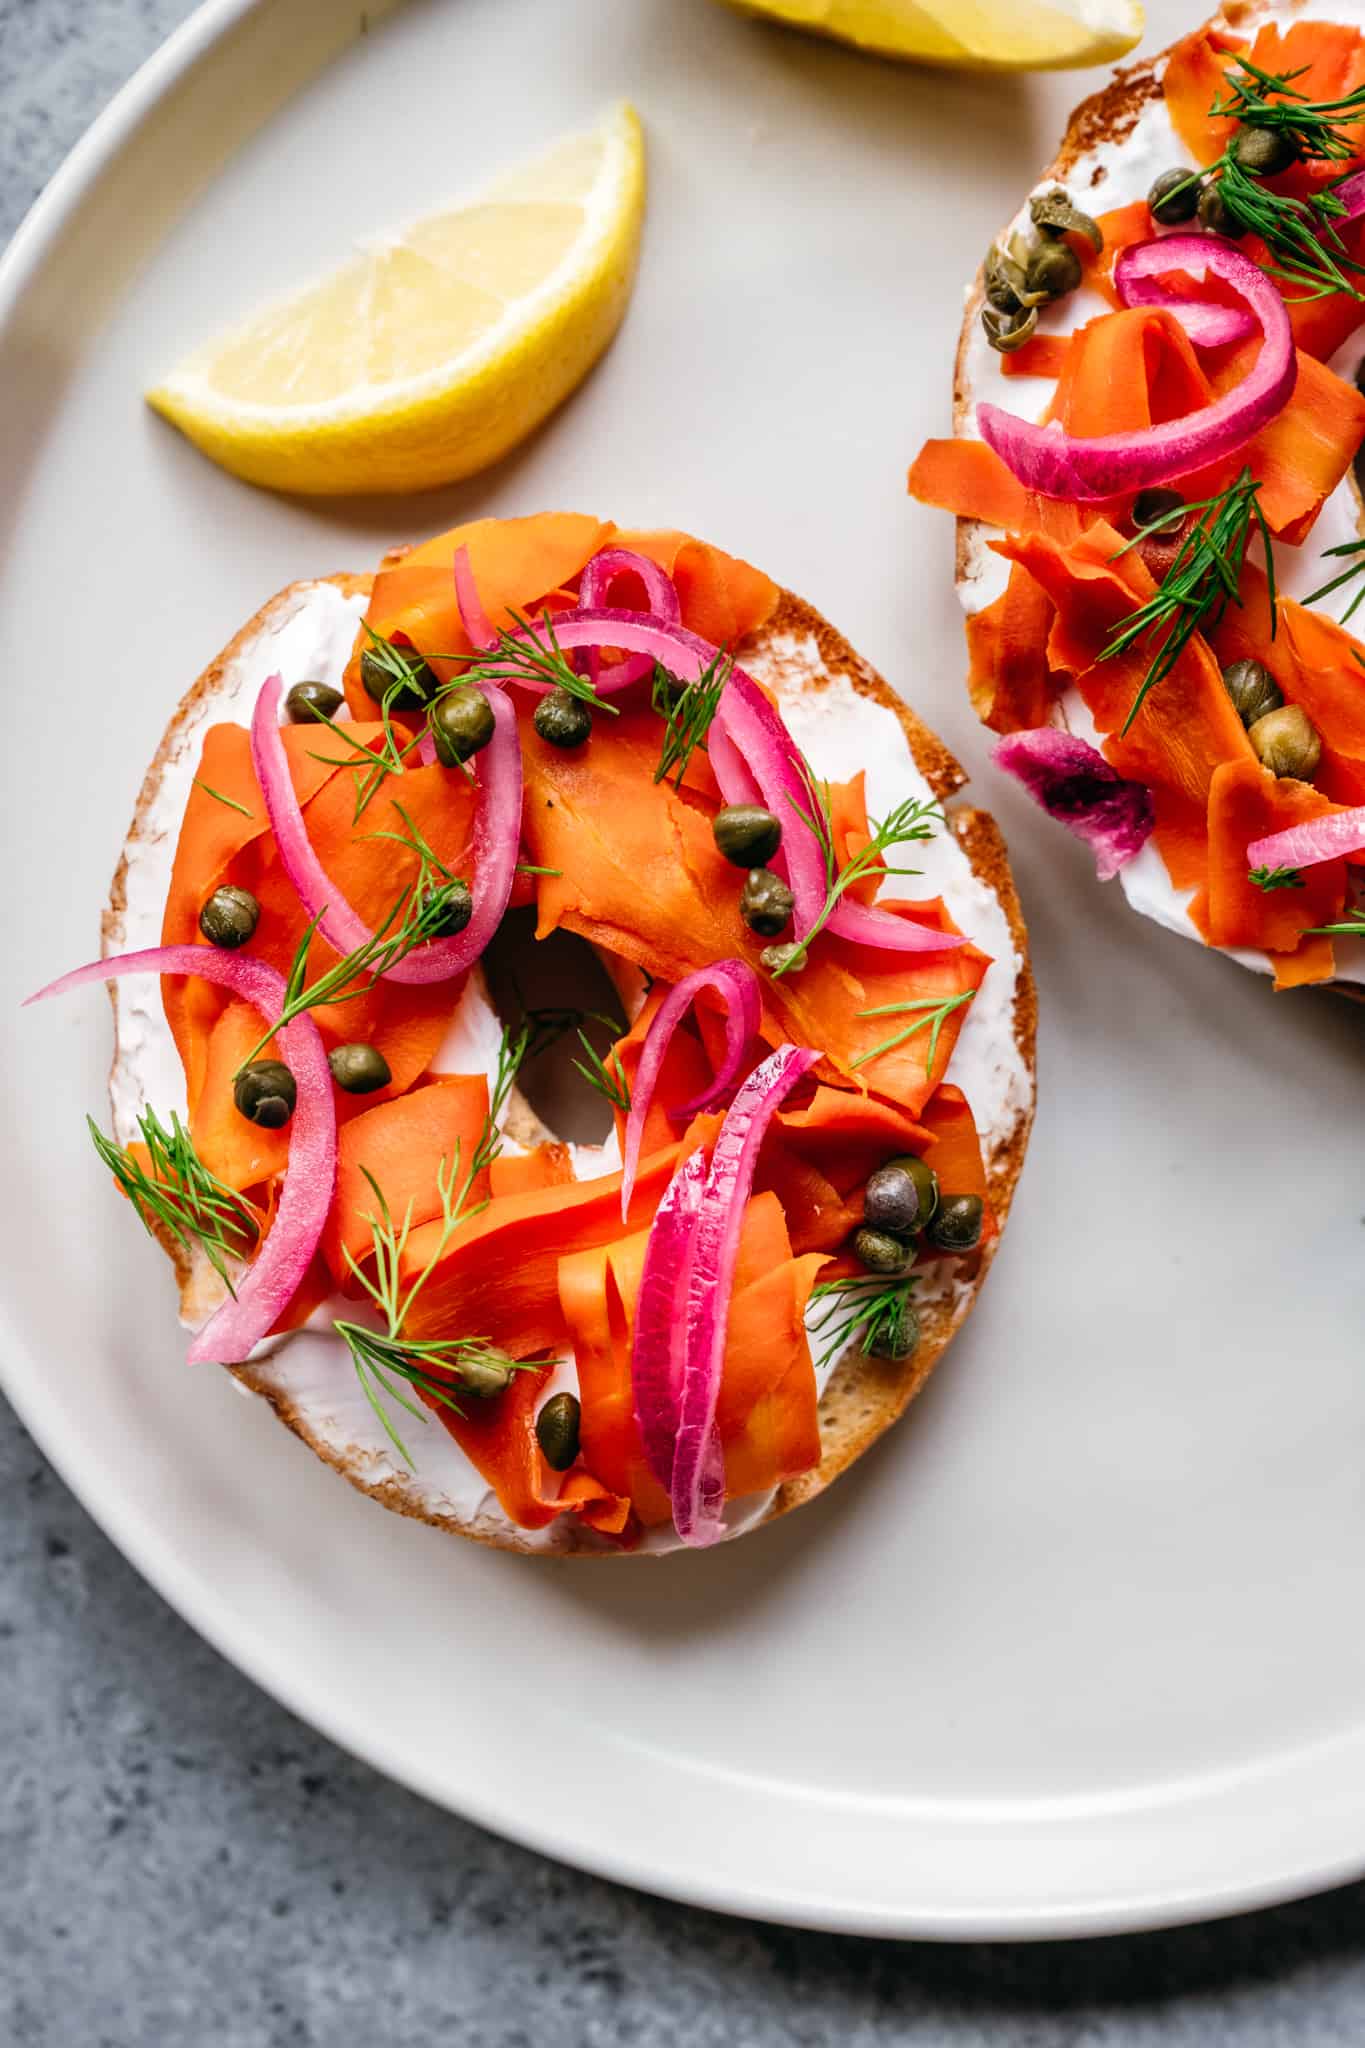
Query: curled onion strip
{"x": 1338, "y": 835}
{"x": 737, "y": 985}
{"x": 272, "y": 1280}
{"x": 478, "y": 628}
{"x": 658, "y": 1342}
{"x": 1085, "y": 467}
{"x": 496, "y": 836}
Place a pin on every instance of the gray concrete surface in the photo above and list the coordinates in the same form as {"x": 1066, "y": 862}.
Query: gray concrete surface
{"x": 182, "y": 1865}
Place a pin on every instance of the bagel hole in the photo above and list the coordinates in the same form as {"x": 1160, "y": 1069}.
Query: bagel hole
{"x": 559, "y": 977}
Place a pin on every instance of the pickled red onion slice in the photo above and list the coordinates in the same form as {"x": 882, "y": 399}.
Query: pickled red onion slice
{"x": 1338, "y": 835}
{"x": 737, "y": 985}
{"x": 496, "y": 838}
{"x": 1084, "y": 467}
{"x": 272, "y": 1280}
{"x": 1076, "y": 785}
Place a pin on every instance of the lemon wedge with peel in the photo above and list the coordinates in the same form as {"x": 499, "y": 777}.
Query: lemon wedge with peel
{"x": 434, "y": 351}
{"x": 997, "y": 35}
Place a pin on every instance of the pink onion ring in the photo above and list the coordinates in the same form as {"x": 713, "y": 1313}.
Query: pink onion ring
{"x": 272, "y": 1279}
{"x": 697, "y": 1482}
{"x": 737, "y": 984}
{"x": 478, "y": 630}
{"x": 1208, "y": 324}
{"x": 1337, "y": 835}
{"x": 658, "y": 1339}
{"x": 594, "y": 587}
{"x": 772, "y": 765}
{"x": 497, "y": 838}
{"x": 1082, "y": 467}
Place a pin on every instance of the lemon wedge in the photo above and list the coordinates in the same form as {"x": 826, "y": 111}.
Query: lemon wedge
{"x": 997, "y": 35}
{"x": 434, "y": 351}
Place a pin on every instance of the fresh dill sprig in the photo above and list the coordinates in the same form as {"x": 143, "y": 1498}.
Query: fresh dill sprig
{"x": 385, "y": 1355}
{"x": 219, "y": 798}
{"x": 912, "y": 821}
{"x": 1267, "y": 99}
{"x": 687, "y": 710}
{"x": 1202, "y": 581}
{"x": 871, "y": 1313}
{"x": 180, "y": 1193}
{"x": 412, "y": 920}
{"x": 1352, "y": 926}
{"x": 1275, "y": 878}
{"x": 1353, "y": 551}
{"x": 606, "y": 1076}
{"x": 537, "y": 658}
{"x": 1301, "y": 233}
{"x": 930, "y": 1013}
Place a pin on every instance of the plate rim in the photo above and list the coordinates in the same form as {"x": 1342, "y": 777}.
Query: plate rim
{"x": 93, "y": 156}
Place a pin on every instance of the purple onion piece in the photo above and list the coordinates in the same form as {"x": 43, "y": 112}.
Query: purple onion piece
{"x": 1076, "y": 785}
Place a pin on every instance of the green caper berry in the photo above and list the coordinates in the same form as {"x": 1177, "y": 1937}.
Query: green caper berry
{"x": 957, "y": 1226}
{"x": 1253, "y": 690}
{"x": 309, "y": 701}
{"x": 557, "y": 1431}
{"x": 891, "y": 1202}
{"x": 1158, "y": 501}
{"x": 485, "y": 1376}
{"x": 926, "y": 1184}
{"x": 265, "y": 1093}
{"x": 461, "y": 723}
{"x": 1287, "y": 743}
{"x": 1054, "y": 269}
{"x": 1002, "y": 280}
{"x": 1174, "y": 197}
{"x": 746, "y": 834}
{"x": 780, "y": 957}
{"x": 402, "y": 693}
{"x": 766, "y": 903}
{"x": 1265, "y": 152}
{"x": 447, "y": 910}
{"x": 1052, "y": 213}
{"x": 898, "y": 1335}
{"x": 1214, "y": 214}
{"x": 359, "y": 1069}
{"x": 1008, "y": 331}
{"x": 563, "y": 719}
{"x": 880, "y": 1252}
{"x": 230, "y": 917}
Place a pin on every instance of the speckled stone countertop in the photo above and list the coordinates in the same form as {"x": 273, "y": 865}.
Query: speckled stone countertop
{"x": 183, "y": 1863}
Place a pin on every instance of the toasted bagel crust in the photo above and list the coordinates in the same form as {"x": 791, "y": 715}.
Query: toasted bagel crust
{"x": 865, "y": 1395}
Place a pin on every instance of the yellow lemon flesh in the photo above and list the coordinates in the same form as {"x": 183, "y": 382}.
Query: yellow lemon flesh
{"x": 997, "y": 35}
{"x": 431, "y": 353}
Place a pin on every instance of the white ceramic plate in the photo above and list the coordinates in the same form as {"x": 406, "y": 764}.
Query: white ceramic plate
{"x": 1079, "y": 1648}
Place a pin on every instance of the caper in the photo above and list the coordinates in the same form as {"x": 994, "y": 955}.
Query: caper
{"x": 415, "y": 686}
{"x": 230, "y": 917}
{"x": 1054, "y": 268}
{"x": 359, "y": 1069}
{"x": 1252, "y": 688}
{"x": 486, "y": 1375}
{"x": 1174, "y": 196}
{"x": 766, "y": 903}
{"x": 447, "y": 910}
{"x": 557, "y": 1431}
{"x": 1053, "y": 214}
{"x": 1214, "y": 214}
{"x": 461, "y": 723}
{"x": 957, "y": 1226}
{"x": 897, "y": 1334}
{"x": 1286, "y": 742}
{"x": 880, "y": 1252}
{"x": 746, "y": 834}
{"x": 1264, "y": 151}
{"x": 307, "y": 701}
{"x": 785, "y": 957}
{"x": 1158, "y": 501}
{"x": 1008, "y": 331}
{"x": 563, "y": 719}
{"x": 265, "y": 1092}
{"x": 900, "y": 1197}
{"x": 1002, "y": 280}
